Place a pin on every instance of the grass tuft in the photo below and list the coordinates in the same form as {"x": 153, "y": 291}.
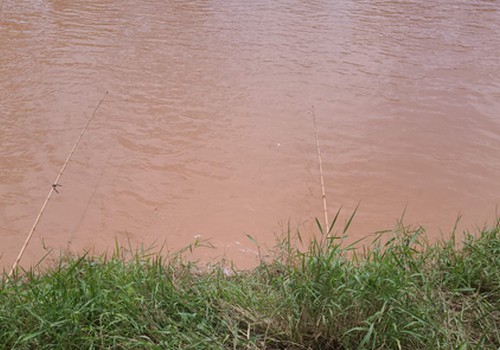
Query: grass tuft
{"x": 400, "y": 292}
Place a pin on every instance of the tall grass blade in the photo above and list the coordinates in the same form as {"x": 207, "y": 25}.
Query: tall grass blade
{"x": 348, "y": 224}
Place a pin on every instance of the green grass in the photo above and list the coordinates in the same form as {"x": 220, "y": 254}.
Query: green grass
{"x": 398, "y": 293}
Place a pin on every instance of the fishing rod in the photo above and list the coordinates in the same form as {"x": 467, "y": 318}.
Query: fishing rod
{"x": 320, "y": 162}
{"x": 54, "y": 187}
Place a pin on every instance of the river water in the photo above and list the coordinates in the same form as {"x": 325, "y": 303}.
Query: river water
{"x": 207, "y": 129}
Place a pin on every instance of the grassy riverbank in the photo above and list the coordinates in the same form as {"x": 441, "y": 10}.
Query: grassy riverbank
{"x": 400, "y": 294}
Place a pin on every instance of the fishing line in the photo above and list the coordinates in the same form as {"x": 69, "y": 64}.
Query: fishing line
{"x": 54, "y": 187}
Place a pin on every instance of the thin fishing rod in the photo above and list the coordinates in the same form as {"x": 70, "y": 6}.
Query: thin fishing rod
{"x": 53, "y": 188}
{"x": 320, "y": 162}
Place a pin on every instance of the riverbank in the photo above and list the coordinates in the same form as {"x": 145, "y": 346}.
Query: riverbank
{"x": 400, "y": 292}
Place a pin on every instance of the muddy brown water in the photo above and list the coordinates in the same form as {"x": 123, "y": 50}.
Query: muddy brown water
{"x": 206, "y": 131}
